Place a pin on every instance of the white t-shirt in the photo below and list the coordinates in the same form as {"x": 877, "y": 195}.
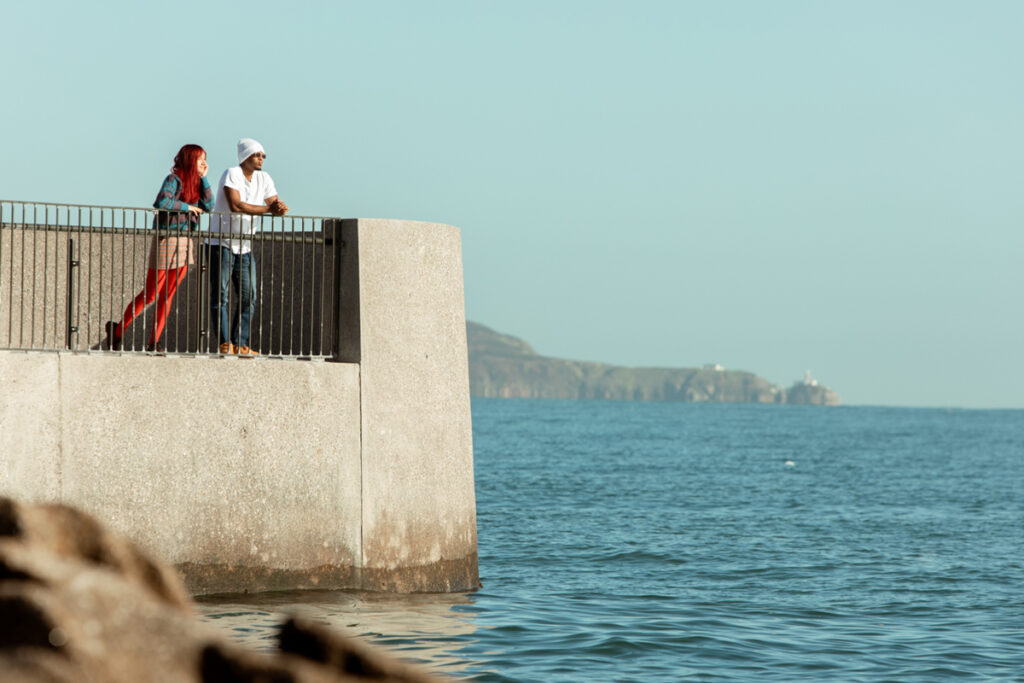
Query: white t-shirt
{"x": 255, "y": 191}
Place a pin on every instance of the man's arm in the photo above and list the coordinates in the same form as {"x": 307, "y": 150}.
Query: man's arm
{"x": 236, "y": 204}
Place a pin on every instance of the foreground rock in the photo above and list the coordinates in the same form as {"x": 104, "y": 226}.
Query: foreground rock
{"x": 80, "y": 603}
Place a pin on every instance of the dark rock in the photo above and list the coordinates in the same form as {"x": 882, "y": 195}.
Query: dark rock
{"x": 80, "y": 603}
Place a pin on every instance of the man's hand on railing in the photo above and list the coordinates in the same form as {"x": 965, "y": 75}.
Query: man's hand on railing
{"x": 278, "y": 208}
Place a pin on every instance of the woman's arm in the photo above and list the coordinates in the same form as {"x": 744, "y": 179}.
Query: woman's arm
{"x": 205, "y": 194}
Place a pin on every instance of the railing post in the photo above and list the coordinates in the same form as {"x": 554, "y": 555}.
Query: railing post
{"x": 202, "y": 340}
{"x": 72, "y": 328}
{"x": 332, "y": 238}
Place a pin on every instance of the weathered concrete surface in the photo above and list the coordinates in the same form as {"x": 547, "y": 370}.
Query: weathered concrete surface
{"x": 235, "y": 465}
{"x": 79, "y": 603}
{"x": 419, "y": 504}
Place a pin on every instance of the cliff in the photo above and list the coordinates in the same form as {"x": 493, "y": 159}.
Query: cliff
{"x": 507, "y": 367}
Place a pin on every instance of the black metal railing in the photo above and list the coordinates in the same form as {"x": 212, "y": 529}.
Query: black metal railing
{"x": 67, "y": 272}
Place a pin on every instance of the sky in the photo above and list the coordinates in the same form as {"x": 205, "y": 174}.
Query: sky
{"x": 774, "y": 186}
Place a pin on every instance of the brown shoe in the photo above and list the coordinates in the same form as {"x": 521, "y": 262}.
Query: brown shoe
{"x": 227, "y": 348}
{"x": 246, "y": 351}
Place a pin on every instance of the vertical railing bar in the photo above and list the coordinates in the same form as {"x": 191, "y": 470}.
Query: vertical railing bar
{"x": 70, "y": 291}
{"x": 252, "y": 275}
{"x": 290, "y": 310}
{"x": 317, "y": 334}
{"x": 168, "y": 332}
{"x": 44, "y": 322}
{"x": 142, "y": 319}
{"x": 191, "y": 325}
{"x": 285, "y": 282}
{"x": 257, "y": 229}
{"x": 296, "y": 286}
{"x": 149, "y": 311}
{"x": 241, "y": 243}
{"x": 21, "y": 312}
{"x": 312, "y": 276}
{"x": 269, "y": 312}
{"x": 2, "y": 214}
{"x": 83, "y": 230}
{"x": 139, "y": 236}
{"x": 302, "y": 287}
{"x": 136, "y": 238}
{"x": 200, "y": 269}
{"x": 86, "y": 236}
{"x": 75, "y": 293}
{"x": 2, "y": 205}
{"x": 308, "y": 235}
{"x": 101, "y": 285}
{"x": 113, "y": 268}
{"x": 88, "y": 278}
{"x": 128, "y": 280}
{"x": 10, "y": 307}
{"x": 198, "y": 338}
{"x": 237, "y": 324}
{"x": 24, "y": 276}
{"x": 67, "y": 273}
{"x": 125, "y": 278}
{"x": 56, "y": 270}
{"x": 74, "y": 270}
{"x": 35, "y": 272}
{"x": 186, "y": 328}
{"x": 323, "y": 282}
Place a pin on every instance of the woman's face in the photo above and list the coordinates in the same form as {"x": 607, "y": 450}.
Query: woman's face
{"x": 201, "y": 166}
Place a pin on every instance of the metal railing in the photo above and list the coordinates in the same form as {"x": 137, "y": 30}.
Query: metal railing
{"x": 67, "y": 271}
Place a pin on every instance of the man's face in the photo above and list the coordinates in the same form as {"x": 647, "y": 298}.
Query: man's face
{"x": 257, "y": 160}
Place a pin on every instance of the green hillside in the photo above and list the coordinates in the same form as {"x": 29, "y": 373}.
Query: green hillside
{"x": 503, "y": 366}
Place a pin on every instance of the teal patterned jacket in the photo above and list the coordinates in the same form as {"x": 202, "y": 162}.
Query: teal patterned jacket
{"x": 174, "y": 213}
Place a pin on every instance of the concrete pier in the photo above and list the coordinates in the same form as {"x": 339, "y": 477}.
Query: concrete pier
{"x": 259, "y": 474}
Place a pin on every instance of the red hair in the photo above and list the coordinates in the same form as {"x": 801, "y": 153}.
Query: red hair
{"x": 185, "y": 168}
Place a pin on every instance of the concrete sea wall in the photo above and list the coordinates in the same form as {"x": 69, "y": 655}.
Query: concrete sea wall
{"x": 258, "y": 474}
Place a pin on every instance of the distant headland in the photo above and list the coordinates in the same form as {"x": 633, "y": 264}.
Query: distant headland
{"x": 502, "y": 366}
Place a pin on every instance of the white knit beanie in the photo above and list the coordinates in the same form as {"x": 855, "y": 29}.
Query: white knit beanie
{"x": 247, "y": 147}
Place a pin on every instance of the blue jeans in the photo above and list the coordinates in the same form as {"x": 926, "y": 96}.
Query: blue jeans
{"x": 227, "y": 268}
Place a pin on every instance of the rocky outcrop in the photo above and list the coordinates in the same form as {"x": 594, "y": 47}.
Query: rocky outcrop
{"x": 503, "y": 366}
{"x": 811, "y": 395}
{"x": 80, "y": 603}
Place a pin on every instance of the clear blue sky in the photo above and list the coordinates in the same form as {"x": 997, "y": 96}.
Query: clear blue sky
{"x": 774, "y": 186}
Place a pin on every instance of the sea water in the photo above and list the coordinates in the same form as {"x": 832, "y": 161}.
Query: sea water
{"x": 665, "y": 542}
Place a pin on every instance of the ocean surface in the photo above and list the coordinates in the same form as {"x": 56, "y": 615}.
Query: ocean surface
{"x": 666, "y": 542}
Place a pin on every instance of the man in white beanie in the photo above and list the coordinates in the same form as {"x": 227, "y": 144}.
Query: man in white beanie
{"x": 248, "y": 190}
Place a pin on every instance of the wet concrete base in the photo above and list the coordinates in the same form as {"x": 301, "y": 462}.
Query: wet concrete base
{"x": 445, "y": 576}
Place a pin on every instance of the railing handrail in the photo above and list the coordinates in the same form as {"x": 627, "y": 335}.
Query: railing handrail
{"x": 265, "y": 229}
{"x": 153, "y": 210}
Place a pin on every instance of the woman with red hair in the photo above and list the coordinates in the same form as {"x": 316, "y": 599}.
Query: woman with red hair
{"x": 184, "y": 195}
